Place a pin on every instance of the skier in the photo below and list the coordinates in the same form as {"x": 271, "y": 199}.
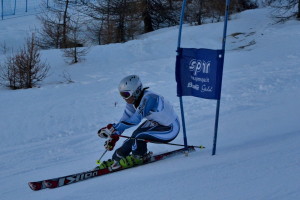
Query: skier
{"x": 161, "y": 124}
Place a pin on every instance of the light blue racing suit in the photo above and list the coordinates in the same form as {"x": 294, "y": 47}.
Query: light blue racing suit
{"x": 161, "y": 123}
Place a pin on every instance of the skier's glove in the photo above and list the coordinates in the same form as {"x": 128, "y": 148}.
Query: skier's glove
{"x": 107, "y": 131}
{"x": 111, "y": 142}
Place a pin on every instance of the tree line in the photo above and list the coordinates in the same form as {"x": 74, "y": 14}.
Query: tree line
{"x": 71, "y": 24}
{"x": 117, "y": 21}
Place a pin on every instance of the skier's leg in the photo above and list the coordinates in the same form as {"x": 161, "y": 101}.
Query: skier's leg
{"x": 149, "y": 130}
{"x": 153, "y": 131}
{"x": 129, "y": 144}
{"x": 123, "y": 151}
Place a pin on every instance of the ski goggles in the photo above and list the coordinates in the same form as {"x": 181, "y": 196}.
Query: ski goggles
{"x": 126, "y": 94}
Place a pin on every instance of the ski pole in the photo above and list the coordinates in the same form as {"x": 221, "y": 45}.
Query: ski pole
{"x": 98, "y": 162}
{"x": 168, "y": 143}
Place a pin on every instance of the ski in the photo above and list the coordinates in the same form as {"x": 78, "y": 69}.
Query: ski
{"x": 74, "y": 178}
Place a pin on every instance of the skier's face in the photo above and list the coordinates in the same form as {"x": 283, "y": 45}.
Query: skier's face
{"x": 130, "y": 100}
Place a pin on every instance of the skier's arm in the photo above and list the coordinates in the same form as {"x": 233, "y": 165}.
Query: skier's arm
{"x": 148, "y": 104}
{"x": 128, "y": 112}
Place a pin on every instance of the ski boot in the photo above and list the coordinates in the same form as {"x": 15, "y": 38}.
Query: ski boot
{"x": 139, "y": 160}
{"x": 126, "y": 162}
{"x": 116, "y": 165}
{"x": 105, "y": 164}
{"x": 132, "y": 160}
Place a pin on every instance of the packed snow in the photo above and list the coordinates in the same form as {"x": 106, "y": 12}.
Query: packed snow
{"x": 51, "y": 130}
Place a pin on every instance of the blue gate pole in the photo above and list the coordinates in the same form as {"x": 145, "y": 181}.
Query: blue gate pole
{"x": 218, "y": 101}
{"x": 26, "y": 5}
{"x": 180, "y": 98}
{"x": 15, "y": 6}
{"x": 2, "y": 9}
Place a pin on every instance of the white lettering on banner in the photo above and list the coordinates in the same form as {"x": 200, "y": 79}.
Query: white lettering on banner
{"x": 198, "y": 66}
{"x": 206, "y": 88}
{"x": 195, "y": 87}
{"x": 202, "y": 80}
{"x": 200, "y": 77}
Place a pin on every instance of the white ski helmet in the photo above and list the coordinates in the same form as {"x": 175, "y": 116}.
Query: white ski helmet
{"x": 130, "y": 86}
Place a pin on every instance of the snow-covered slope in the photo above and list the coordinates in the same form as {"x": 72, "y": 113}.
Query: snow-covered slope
{"x": 51, "y": 131}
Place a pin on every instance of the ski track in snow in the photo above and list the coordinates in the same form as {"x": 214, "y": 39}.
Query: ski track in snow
{"x": 51, "y": 131}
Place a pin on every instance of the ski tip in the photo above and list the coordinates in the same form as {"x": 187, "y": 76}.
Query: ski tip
{"x": 35, "y": 186}
{"x": 51, "y": 184}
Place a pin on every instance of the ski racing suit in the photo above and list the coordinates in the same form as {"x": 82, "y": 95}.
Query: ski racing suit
{"x": 161, "y": 124}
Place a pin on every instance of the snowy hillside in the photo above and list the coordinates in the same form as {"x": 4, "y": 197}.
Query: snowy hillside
{"x": 51, "y": 131}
